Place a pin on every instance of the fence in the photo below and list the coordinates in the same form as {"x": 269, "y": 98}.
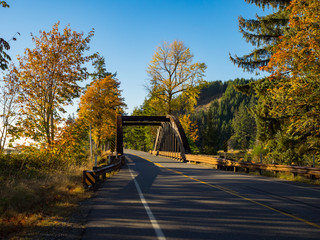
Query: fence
{"x": 90, "y": 178}
{"x": 221, "y": 163}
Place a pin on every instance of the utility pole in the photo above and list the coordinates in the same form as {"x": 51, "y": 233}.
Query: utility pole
{"x": 90, "y": 139}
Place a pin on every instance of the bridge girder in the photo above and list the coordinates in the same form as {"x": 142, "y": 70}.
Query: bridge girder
{"x": 170, "y": 134}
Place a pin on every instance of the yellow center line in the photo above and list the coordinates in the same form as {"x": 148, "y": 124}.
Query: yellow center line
{"x": 227, "y": 190}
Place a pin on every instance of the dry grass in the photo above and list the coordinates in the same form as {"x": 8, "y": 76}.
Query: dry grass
{"x": 45, "y": 200}
{"x": 289, "y": 177}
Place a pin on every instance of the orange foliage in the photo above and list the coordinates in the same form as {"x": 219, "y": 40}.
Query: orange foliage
{"x": 295, "y": 68}
{"x": 48, "y": 77}
{"x": 100, "y": 105}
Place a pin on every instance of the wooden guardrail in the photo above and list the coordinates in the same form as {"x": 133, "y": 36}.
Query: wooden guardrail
{"x": 90, "y": 177}
{"x": 247, "y": 166}
{"x": 175, "y": 155}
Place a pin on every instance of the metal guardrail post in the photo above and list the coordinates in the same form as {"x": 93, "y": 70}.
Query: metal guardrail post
{"x": 89, "y": 178}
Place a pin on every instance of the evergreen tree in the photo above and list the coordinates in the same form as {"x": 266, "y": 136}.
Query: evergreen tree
{"x": 244, "y": 128}
{"x": 262, "y": 33}
{"x": 269, "y": 3}
{"x": 141, "y": 137}
{"x": 4, "y": 46}
{"x": 215, "y": 125}
{"x": 100, "y": 69}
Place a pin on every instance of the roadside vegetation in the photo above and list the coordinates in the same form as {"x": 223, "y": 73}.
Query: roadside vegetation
{"x": 38, "y": 190}
{"x": 275, "y": 116}
{"x": 41, "y": 181}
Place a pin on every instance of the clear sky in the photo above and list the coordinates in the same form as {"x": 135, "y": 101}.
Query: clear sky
{"x": 127, "y": 33}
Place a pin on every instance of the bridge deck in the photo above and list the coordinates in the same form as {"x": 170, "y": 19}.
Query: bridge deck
{"x": 165, "y": 199}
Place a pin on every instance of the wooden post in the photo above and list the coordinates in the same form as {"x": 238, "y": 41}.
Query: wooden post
{"x": 313, "y": 161}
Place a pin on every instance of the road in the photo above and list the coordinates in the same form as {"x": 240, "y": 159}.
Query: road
{"x": 159, "y": 198}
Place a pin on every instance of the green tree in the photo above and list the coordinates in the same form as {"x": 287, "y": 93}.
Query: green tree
{"x": 215, "y": 124}
{"x": 140, "y": 137}
{"x": 262, "y": 33}
{"x": 4, "y": 46}
{"x": 100, "y": 72}
{"x": 244, "y": 128}
{"x": 173, "y": 73}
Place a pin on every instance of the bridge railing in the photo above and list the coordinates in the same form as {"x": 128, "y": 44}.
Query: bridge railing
{"x": 175, "y": 155}
{"x": 90, "y": 177}
{"x": 221, "y": 163}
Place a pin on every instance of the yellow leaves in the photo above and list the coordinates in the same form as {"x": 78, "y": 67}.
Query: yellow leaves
{"x": 190, "y": 127}
{"x": 99, "y": 106}
{"x": 172, "y": 73}
{"x": 49, "y": 76}
{"x": 295, "y": 66}
{"x": 299, "y": 48}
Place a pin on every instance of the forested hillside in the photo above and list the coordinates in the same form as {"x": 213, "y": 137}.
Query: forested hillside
{"x": 227, "y": 117}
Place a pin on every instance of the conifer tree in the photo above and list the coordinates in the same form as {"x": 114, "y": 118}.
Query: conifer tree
{"x": 286, "y": 118}
{"x": 262, "y": 33}
{"x": 4, "y": 46}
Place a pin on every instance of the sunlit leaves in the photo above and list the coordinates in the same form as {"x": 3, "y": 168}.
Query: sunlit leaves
{"x": 99, "y": 106}
{"x": 172, "y": 72}
{"x": 48, "y": 79}
{"x": 295, "y": 69}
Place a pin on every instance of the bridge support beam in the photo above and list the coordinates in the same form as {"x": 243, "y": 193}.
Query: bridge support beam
{"x": 170, "y": 138}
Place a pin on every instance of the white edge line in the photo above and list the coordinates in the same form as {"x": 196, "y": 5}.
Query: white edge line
{"x": 152, "y": 218}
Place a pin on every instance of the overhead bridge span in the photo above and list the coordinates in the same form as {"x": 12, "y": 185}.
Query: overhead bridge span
{"x": 170, "y": 135}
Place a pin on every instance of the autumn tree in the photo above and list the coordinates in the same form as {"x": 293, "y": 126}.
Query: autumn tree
{"x": 72, "y": 141}
{"x": 48, "y": 77}
{"x": 295, "y": 75}
{"x": 8, "y": 107}
{"x": 100, "y": 104}
{"x": 173, "y": 73}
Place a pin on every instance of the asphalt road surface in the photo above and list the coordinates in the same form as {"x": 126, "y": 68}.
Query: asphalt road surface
{"x": 159, "y": 198}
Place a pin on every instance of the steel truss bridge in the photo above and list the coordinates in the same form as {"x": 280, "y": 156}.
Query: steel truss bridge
{"x": 170, "y": 135}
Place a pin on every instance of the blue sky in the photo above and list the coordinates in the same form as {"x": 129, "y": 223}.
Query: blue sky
{"x": 127, "y": 33}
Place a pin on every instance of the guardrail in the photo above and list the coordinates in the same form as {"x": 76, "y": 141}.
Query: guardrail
{"x": 224, "y": 164}
{"x": 175, "y": 155}
{"x": 90, "y": 177}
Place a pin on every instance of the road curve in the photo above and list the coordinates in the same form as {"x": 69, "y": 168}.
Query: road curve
{"x": 159, "y": 198}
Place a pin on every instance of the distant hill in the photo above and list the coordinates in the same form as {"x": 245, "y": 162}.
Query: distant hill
{"x": 217, "y": 106}
{"x": 210, "y": 92}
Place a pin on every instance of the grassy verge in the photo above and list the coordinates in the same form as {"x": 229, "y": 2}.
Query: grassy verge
{"x": 36, "y": 200}
{"x": 281, "y": 175}
{"x": 289, "y": 177}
